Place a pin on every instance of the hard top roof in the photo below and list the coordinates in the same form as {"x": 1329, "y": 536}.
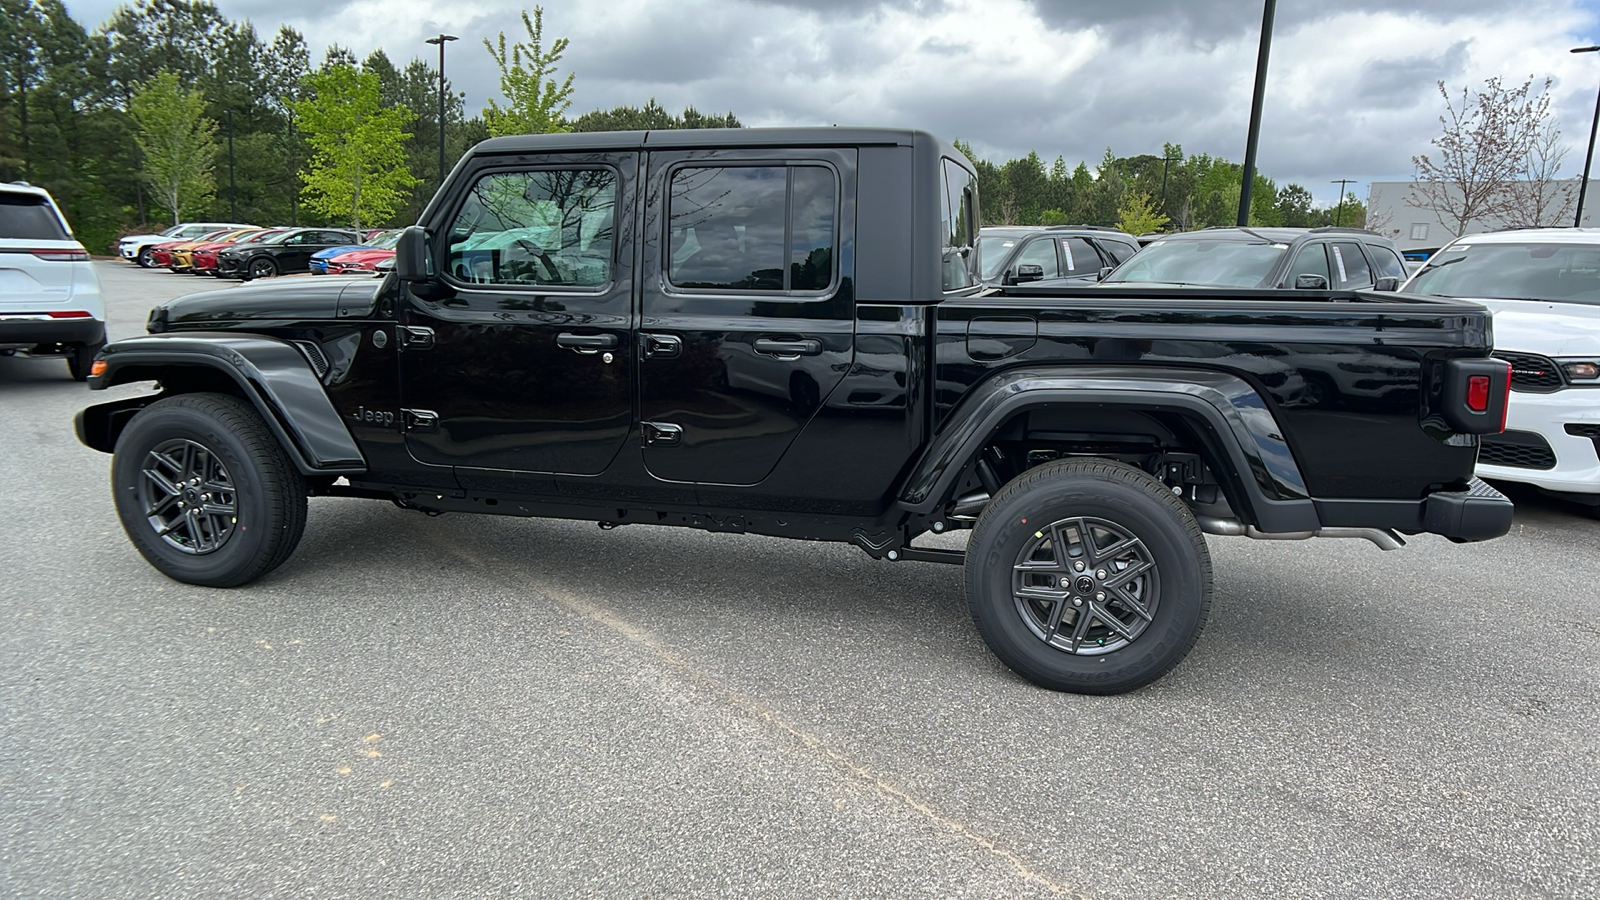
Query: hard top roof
{"x": 699, "y": 137}
{"x": 1275, "y": 234}
{"x": 1533, "y": 236}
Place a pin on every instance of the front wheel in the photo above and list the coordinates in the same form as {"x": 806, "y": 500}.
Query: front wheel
{"x": 205, "y": 492}
{"x": 1088, "y": 576}
{"x": 263, "y": 267}
{"x": 146, "y": 257}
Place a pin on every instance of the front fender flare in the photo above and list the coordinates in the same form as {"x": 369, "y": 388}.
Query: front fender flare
{"x": 1260, "y": 468}
{"x": 272, "y": 374}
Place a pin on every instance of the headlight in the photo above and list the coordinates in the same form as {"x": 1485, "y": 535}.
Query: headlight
{"x": 1580, "y": 370}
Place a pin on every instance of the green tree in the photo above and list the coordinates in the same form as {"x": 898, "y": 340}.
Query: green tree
{"x": 1140, "y": 215}
{"x": 535, "y": 103}
{"x": 178, "y": 144}
{"x": 1294, "y": 206}
{"x": 652, "y": 117}
{"x": 357, "y": 171}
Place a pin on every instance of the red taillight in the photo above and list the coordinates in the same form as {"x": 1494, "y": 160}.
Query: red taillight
{"x": 1478, "y": 393}
{"x": 69, "y": 314}
{"x": 62, "y": 255}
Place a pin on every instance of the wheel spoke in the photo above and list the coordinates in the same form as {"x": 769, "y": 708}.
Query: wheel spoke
{"x": 1080, "y": 628}
{"x": 163, "y": 482}
{"x": 162, "y": 505}
{"x": 1117, "y": 549}
{"x": 1131, "y": 604}
{"x": 1044, "y": 594}
{"x": 1056, "y": 611}
{"x": 217, "y": 509}
{"x": 1112, "y": 622}
{"x": 1126, "y": 575}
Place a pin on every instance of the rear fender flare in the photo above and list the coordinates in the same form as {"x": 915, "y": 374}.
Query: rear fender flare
{"x": 1255, "y": 462}
{"x": 272, "y": 374}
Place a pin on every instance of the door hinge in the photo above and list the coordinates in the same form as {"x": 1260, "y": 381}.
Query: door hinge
{"x": 661, "y": 346}
{"x": 661, "y": 434}
{"x": 413, "y": 337}
{"x": 420, "y": 419}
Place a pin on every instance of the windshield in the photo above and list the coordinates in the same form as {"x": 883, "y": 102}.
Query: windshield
{"x": 993, "y": 251}
{"x": 1221, "y": 263}
{"x": 384, "y": 240}
{"x": 276, "y": 237}
{"x": 1561, "y": 273}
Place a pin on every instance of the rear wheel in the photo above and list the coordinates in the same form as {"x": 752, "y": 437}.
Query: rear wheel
{"x": 205, "y": 492}
{"x": 1088, "y": 576}
{"x": 80, "y": 359}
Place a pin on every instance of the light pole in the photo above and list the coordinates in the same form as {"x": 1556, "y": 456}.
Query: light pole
{"x": 1164, "y": 161}
{"x": 1339, "y": 210}
{"x": 1255, "y": 113}
{"x": 1583, "y": 186}
{"x": 441, "y": 40}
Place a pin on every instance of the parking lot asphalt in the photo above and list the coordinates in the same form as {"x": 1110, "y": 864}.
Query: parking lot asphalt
{"x": 474, "y": 707}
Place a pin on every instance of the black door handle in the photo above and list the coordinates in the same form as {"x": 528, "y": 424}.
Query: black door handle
{"x": 586, "y": 343}
{"x": 807, "y": 347}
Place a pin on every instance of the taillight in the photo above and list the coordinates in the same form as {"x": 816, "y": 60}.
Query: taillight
{"x": 69, "y": 314}
{"x": 62, "y": 255}
{"x": 1478, "y": 393}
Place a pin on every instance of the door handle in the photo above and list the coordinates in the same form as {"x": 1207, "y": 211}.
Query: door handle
{"x": 586, "y": 343}
{"x": 415, "y": 337}
{"x": 788, "y": 349}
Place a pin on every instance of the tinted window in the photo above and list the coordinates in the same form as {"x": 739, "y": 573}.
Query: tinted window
{"x": 1202, "y": 262}
{"x": 1078, "y": 257}
{"x": 1350, "y": 267}
{"x": 28, "y": 217}
{"x": 958, "y": 214}
{"x": 727, "y": 228}
{"x": 544, "y": 227}
{"x": 1041, "y": 253}
{"x": 993, "y": 250}
{"x": 1563, "y": 273}
{"x": 1118, "y": 251}
{"x": 1387, "y": 261}
{"x": 1313, "y": 260}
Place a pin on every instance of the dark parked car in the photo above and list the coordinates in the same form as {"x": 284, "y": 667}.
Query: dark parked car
{"x": 278, "y": 254}
{"x": 1073, "y": 252}
{"x": 1344, "y": 259}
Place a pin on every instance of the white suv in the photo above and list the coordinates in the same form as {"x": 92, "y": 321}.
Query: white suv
{"x": 1543, "y": 286}
{"x": 136, "y": 247}
{"x": 50, "y": 303}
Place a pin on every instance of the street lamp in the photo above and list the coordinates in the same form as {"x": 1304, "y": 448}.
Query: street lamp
{"x": 1339, "y": 210}
{"x": 1249, "y": 174}
{"x": 1583, "y": 186}
{"x": 1164, "y": 161}
{"x": 441, "y": 40}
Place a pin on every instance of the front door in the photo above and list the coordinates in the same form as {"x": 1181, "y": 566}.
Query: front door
{"x": 522, "y": 362}
{"x": 750, "y": 323}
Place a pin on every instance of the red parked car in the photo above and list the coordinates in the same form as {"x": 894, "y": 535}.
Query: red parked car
{"x": 205, "y": 256}
{"x": 161, "y": 254}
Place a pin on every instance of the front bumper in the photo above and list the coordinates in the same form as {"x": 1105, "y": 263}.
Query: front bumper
{"x": 1577, "y": 458}
{"x": 229, "y": 268}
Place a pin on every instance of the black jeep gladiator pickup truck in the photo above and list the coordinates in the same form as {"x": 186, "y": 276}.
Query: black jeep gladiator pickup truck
{"x": 783, "y": 332}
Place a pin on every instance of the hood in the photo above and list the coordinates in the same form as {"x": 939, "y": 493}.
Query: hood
{"x": 291, "y": 299}
{"x": 1548, "y": 329}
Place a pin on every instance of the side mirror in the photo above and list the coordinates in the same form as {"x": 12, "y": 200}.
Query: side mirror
{"x": 1104, "y": 271}
{"x": 1029, "y": 272}
{"x": 1387, "y": 283}
{"x": 412, "y": 260}
{"x": 1310, "y": 283}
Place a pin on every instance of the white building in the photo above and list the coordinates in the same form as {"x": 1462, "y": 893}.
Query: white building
{"x": 1393, "y": 210}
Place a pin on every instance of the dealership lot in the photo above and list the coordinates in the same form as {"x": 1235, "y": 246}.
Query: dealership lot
{"x": 468, "y": 706}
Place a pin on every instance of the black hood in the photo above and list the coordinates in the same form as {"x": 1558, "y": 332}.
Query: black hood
{"x": 291, "y": 299}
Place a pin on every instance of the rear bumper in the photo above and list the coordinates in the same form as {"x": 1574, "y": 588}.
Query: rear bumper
{"x": 28, "y": 331}
{"x": 1478, "y": 513}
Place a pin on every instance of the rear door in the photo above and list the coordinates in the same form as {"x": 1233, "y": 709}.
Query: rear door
{"x": 747, "y": 313}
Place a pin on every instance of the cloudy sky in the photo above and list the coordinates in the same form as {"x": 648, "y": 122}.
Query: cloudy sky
{"x": 1351, "y": 89}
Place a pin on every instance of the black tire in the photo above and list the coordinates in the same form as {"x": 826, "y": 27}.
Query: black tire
{"x": 1156, "y": 589}
{"x": 146, "y": 257}
{"x": 224, "y": 442}
{"x": 80, "y": 359}
{"x": 261, "y": 267}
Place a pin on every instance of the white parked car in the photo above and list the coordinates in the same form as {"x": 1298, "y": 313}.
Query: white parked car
{"x": 1543, "y": 286}
{"x": 136, "y": 247}
{"x": 50, "y": 303}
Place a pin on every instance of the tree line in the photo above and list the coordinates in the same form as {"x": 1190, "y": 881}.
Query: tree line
{"x": 170, "y": 110}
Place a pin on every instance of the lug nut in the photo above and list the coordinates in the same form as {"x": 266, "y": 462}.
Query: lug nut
{"x": 1066, "y": 581}
{"x": 1078, "y": 566}
{"x": 1077, "y": 601}
{"x": 1100, "y": 574}
{"x": 1100, "y": 596}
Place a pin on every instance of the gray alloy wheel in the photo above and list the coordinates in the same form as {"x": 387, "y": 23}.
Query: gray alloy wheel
{"x": 263, "y": 267}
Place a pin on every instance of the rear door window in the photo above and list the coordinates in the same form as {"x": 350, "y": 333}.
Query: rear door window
{"x": 753, "y": 228}
{"x": 1350, "y": 267}
{"x": 1078, "y": 257}
{"x": 29, "y": 217}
